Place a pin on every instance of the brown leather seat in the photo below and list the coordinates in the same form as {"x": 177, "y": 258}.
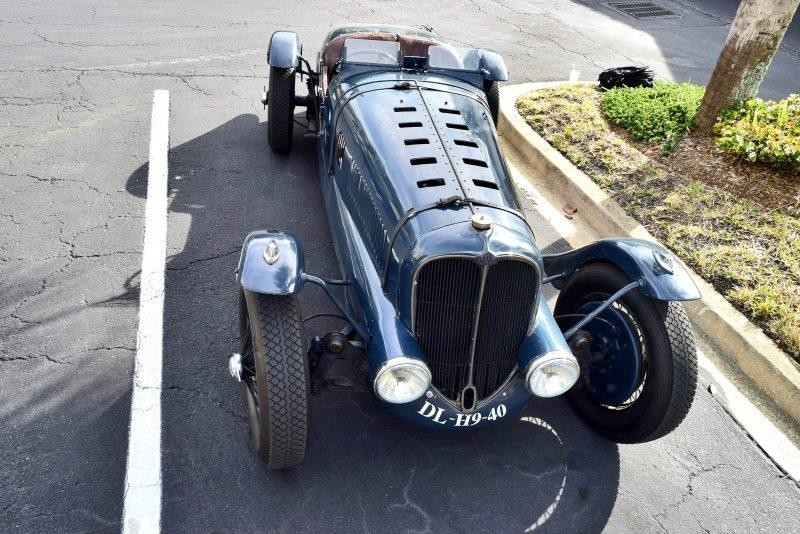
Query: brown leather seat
{"x": 410, "y": 45}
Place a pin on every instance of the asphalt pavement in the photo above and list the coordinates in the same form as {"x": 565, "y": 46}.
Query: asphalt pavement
{"x": 76, "y": 85}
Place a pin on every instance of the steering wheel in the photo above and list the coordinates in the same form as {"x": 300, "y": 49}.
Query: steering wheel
{"x": 377, "y": 53}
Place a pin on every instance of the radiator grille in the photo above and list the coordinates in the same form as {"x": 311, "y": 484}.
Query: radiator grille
{"x": 447, "y": 296}
{"x": 506, "y": 309}
{"x": 447, "y": 302}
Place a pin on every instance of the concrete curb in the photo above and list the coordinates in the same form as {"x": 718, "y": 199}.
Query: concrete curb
{"x": 741, "y": 344}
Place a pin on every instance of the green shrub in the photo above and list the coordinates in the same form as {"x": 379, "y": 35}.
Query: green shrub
{"x": 662, "y": 113}
{"x": 765, "y": 131}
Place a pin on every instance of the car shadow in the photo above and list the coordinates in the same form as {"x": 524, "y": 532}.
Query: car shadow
{"x": 364, "y": 470}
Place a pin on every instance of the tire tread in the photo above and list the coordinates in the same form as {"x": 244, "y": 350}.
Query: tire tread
{"x": 492, "y": 91}
{"x": 280, "y": 109}
{"x": 287, "y": 380}
{"x": 684, "y": 376}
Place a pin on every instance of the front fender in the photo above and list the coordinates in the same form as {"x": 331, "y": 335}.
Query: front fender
{"x": 271, "y": 262}
{"x": 493, "y": 66}
{"x": 665, "y": 277}
{"x": 490, "y": 63}
{"x": 284, "y": 50}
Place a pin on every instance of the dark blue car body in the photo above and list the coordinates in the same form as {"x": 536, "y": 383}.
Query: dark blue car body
{"x": 409, "y": 160}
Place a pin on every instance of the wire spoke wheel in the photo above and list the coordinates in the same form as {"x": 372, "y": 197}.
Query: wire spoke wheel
{"x": 639, "y": 376}
{"x": 248, "y": 359}
{"x": 642, "y": 348}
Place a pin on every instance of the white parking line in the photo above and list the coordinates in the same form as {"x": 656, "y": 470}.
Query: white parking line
{"x": 142, "y": 498}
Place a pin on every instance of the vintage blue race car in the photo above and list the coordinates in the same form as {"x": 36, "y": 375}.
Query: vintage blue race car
{"x": 441, "y": 276}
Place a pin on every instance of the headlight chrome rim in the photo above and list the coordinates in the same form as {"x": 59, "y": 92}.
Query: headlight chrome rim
{"x": 546, "y": 359}
{"x": 394, "y": 364}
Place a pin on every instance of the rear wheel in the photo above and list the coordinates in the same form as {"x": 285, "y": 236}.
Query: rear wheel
{"x": 280, "y": 109}
{"x": 275, "y": 375}
{"x": 492, "y": 91}
{"x": 639, "y": 368}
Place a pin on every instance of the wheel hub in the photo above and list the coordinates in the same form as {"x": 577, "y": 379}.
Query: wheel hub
{"x": 612, "y": 359}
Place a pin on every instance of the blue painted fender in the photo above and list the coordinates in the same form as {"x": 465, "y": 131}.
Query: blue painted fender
{"x": 284, "y": 50}
{"x": 665, "y": 277}
{"x": 271, "y": 263}
{"x": 490, "y": 63}
{"x": 493, "y": 66}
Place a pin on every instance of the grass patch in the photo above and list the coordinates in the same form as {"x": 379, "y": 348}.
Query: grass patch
{"x": 749, "y": 253}
{"x": 571, "y": 121}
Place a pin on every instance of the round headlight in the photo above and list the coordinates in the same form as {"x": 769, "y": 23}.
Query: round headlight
{"x": 402, "y": 380}
{"x": 552, "y": 374}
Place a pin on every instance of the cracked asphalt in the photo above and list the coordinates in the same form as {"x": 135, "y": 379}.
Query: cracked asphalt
{"x": 76, "y": 82}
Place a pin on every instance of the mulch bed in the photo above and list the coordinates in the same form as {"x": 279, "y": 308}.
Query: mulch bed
{"x": 698, "y": 158}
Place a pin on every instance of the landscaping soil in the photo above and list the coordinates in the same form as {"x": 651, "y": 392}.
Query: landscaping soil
{"x": 698, "y": 158}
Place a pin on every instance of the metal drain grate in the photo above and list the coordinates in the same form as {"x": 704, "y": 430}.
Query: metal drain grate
{"x": 642, "y": 10}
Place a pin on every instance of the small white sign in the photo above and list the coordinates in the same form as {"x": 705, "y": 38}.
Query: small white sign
{"x": 574, "y": 74}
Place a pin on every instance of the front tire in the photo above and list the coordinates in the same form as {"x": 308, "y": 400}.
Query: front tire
{"x": 280, "y": 109}
{"x": 492, "y": 92}
{"x": 275, "y": 375}
{"x": 662, "y": 339}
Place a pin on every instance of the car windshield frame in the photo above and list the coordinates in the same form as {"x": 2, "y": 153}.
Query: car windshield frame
{"x": 454, "y": 59}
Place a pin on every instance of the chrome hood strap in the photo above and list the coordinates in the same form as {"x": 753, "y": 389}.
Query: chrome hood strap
{"x": 454, "y": 201}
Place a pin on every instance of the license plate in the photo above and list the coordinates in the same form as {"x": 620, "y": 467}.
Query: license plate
{"x": 437, "y": 415}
